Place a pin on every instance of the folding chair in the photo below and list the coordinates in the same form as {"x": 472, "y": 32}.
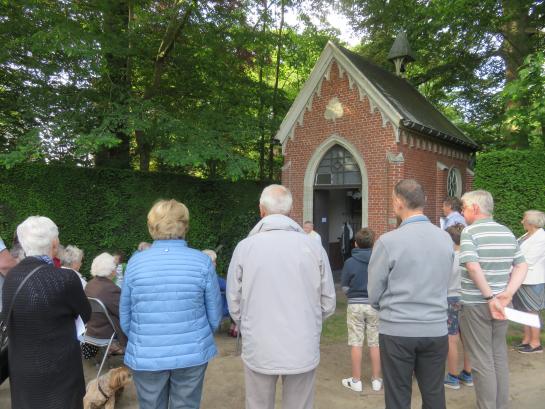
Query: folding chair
{"x": 98, "y": 307}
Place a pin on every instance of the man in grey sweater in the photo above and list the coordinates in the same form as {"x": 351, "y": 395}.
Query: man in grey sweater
{"x": 408, "y": 277}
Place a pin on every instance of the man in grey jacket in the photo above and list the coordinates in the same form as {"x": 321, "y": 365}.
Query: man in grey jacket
{"x": 279, "y": 290}
{"x": 408, "y": 277}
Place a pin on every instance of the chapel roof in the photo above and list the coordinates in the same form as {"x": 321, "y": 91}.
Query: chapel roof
{"x": 416, "y": 111}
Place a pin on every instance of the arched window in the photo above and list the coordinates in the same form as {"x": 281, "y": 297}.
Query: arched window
{"x": 338, "y": 168}
{"x": 454, "y": 182}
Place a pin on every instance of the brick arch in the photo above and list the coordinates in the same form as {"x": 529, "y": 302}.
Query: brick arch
{"x": 312, "y": 167}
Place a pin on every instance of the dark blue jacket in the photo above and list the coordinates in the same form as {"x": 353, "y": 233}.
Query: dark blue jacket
{"x": 355, "y": 275}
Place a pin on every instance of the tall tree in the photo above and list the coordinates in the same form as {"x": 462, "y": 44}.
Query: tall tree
{"x": 467, "y": 51}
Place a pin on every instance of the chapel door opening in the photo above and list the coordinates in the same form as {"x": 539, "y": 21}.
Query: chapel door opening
{"x": 337, "y": 202}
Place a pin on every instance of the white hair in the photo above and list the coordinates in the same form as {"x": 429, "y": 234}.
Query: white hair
{"x": 103, "y": 265}
{"x": 143, "y": 245}
{"x": 211, "y": 253}
{"x": 481, "y": 198}
{"x": 276, "y": 199}
{"x": 70, "y": 255}
{"x": 535, "y": 218}
{"x": 36, "y": 235}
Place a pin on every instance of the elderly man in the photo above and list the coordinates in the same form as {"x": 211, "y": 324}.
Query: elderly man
{"x": 452, "y": 206}
{"x": 308, "y": 227}
{"x": 409, "y": 272}
{"x": 279, "y": 290}
{"x": 493, "y": 268}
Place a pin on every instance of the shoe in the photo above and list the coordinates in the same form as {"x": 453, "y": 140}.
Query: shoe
{"x": 451, "y": 381}
{"x": 519, "y": 346}
{"x": 529, "y": 350}
{"x": 376, "y": 384}
{"x": 465, "y": 378}
{"x": 350, "y": 384}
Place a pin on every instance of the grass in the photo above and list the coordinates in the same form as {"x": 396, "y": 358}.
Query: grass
{"x": 334, "y": 328}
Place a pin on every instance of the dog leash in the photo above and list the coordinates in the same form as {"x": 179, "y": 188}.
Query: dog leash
{"x": 102, "y": 391}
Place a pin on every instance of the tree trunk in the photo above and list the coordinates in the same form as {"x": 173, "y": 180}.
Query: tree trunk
{"x": 116, "y": 20}
{"x": 516, "y": 47}
{"x": 275, "y": 92}
{"x": 261, "y": 111}
{"x": 175, "y": 27}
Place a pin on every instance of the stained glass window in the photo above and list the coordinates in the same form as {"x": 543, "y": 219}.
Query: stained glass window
{"x": 338, "y": 167}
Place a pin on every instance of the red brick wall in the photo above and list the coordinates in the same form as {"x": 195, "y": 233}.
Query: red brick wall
{"x": 365, "y": 131}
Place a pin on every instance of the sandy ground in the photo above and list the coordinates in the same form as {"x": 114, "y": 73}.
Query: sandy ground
{"x": 224, "y": 383}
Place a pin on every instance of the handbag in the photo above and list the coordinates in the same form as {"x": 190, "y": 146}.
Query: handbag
{"x": 4, "y": 367}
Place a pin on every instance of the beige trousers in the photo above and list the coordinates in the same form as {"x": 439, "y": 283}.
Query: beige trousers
{"x": 297, "y": 390}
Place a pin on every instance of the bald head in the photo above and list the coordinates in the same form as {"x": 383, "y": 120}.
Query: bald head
{"x": 275, "y": 199}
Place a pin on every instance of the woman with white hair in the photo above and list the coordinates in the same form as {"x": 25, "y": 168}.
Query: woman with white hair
{"x": 531, "y": 295}
{"x": 44, "y": 354}
{"x": 71, "y": 257}
{"x": 103, "y": 270}
{"x": 170, "y": 308}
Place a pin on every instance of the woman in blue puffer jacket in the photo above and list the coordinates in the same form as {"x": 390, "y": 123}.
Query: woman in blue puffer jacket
{"x": 170, "y": 307}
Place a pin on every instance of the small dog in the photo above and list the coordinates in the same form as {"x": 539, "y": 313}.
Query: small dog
{"x": 102, "y": 392}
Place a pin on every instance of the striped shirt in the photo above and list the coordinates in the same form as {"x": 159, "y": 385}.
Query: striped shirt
{"x": 496, "y": 249}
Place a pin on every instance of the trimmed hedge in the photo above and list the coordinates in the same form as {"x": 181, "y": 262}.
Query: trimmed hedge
{"x": 516, "y": 179}
{"x": 106, "y": 209}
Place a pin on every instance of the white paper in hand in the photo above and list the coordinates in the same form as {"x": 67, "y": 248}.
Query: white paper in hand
{"x": 80, "y": 329}
{"x": 532, "y": 320}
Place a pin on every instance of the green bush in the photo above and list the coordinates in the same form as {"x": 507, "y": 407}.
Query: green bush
{"x": 516, "y": 179}
{"x": 106, "y": 209}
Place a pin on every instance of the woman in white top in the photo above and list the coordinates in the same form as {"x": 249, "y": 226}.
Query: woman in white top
{"x": 531, "y": 295}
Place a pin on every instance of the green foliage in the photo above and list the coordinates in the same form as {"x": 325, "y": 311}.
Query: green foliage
{"x": 106, "y": 209}
{"x": 84, "y": 77}
{"x": 526, "y": 113}
{"x": 466, "y": 51}
{"x": 516, "y": 179}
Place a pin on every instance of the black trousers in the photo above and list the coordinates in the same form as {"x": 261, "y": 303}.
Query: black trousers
{"x": 425, "y": 356}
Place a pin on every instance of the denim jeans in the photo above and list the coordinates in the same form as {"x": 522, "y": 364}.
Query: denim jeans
{"x": 173, "y": 389}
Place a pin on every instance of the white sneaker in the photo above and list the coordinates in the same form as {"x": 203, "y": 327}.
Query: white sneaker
{"x": 376, "y": 384}
{"x": 350, "y": 384}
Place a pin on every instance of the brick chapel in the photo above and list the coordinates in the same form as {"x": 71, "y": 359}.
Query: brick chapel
{"x": 353, "y": 132}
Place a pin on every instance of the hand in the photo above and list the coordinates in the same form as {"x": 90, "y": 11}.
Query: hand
{"x": 496, "y": 309}
{"x": 504, "y": 298}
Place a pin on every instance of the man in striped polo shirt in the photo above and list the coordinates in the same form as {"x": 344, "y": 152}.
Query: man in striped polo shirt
{"x": 493, "y": 269}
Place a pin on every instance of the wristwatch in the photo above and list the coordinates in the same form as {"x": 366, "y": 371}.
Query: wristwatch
{"x": 489, "y": 298}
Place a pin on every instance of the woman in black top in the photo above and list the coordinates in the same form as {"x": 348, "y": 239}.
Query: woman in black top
{"x": 44, "y": 354}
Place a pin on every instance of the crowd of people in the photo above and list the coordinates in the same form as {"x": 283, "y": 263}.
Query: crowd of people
{"x": 415, "y": 293}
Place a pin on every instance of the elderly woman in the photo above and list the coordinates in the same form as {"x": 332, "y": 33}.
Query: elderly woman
{"x": 71, "y": 257}
{"x": 44, "y": 353}
{"x": 170, "y": 308}
{"x": 531, "y": 295}
{"x": 103, "y": 270}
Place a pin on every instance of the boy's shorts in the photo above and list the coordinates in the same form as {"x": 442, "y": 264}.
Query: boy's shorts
{"x": 453, "y": 312}
{"x": 362, "y": 319}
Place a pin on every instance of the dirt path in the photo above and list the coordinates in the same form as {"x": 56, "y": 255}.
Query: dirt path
{"x": 224, "y": 384}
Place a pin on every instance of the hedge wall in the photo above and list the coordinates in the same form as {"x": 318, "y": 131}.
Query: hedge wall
{"x": 516, "y": 179}
{"x": 106, "y": 209}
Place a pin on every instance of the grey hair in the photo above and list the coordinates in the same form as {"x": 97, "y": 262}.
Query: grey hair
{"x": 103, "y": 265}
{"x": 535, "y": 218}
{"x": 36, "y": 235}
{"x": 276, "y": 199}
{"x": 481, "y": 198}
{"x": 70, "y": 255}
